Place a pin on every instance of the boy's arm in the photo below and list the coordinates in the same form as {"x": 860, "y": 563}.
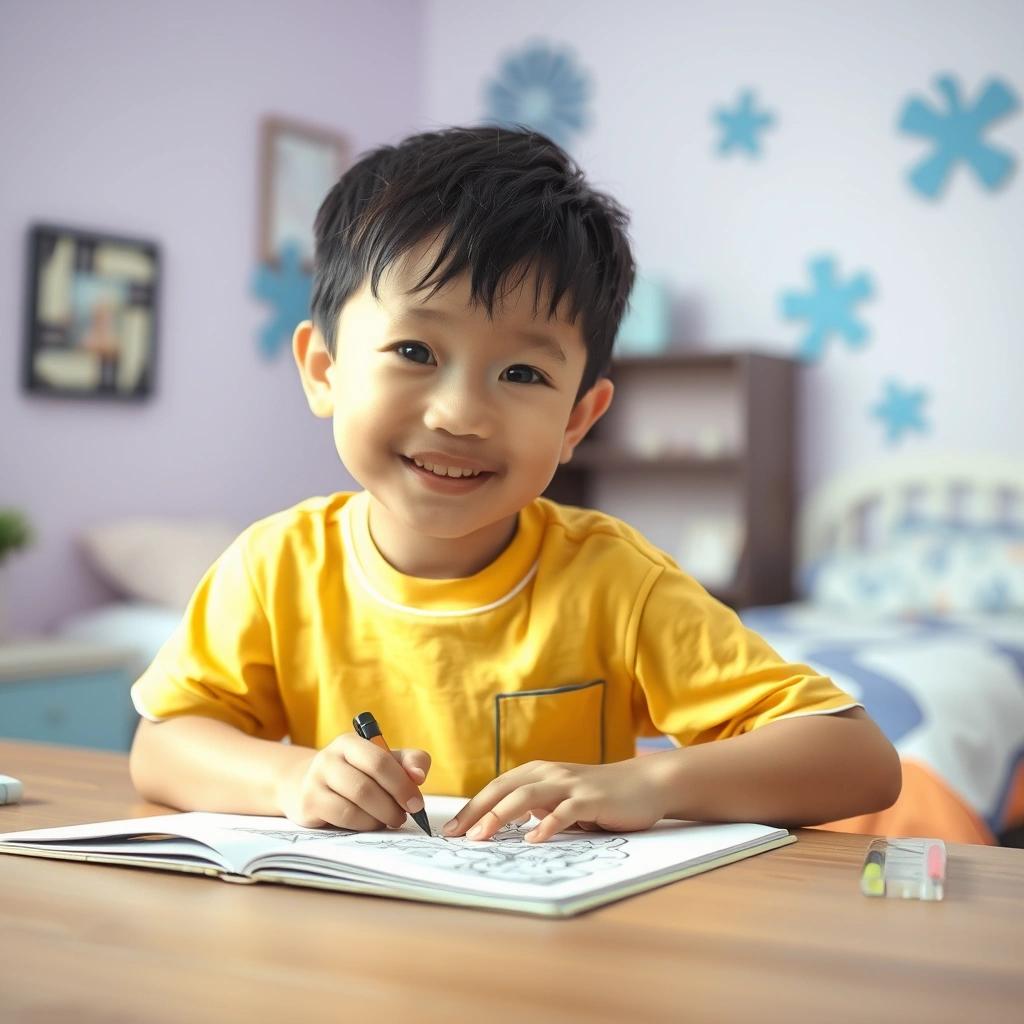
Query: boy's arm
{"x": 197, "y": 763}
{"x": 800, "y": 771}
{"x": 797, "y": 771}
{"x": 201, "y": 764}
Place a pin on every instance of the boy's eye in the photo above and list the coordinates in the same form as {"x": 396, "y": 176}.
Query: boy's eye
{"x": 415, "y": 352}
{"x": 520, "y": 374}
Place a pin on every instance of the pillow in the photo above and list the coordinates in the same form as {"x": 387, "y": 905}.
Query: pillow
{"x": 136, "y": 624}
{"x": 926, "y": 569}
{"x": 156, "y": 560}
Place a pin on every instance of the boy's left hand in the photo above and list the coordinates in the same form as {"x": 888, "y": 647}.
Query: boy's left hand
{"x": 621, "y": 797}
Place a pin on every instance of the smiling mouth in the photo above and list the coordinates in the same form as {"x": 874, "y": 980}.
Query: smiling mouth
{"x": 454, "y": 479}
{"x": 447, "y": 472}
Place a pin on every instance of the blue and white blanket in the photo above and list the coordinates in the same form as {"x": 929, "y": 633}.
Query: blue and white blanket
{"x": 948, "y": 692}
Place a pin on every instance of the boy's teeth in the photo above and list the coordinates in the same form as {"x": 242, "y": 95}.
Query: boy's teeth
{"x": 451, "y": 471}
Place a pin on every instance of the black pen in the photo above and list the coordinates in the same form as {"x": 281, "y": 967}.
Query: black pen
{"x": 366, "y": 726}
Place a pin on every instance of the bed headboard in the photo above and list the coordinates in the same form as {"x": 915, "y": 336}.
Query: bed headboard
{"x": 859, "y": 509}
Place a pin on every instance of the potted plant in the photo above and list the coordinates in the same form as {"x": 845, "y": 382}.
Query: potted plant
{"x": 15, "y": 533}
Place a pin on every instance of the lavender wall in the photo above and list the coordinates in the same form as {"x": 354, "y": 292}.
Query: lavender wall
{"x": 729, "y": 234}
{"x": 143, "y": 119}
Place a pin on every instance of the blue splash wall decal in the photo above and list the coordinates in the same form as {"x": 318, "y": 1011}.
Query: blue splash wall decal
{"x": 828, "y": 308}
{"x": 542, "y": 88}
{"x": 900, "y": 411}
{"x": 741, "y": 127}
{"x": 957, "y": 134}
{"x": 287, "y": 289}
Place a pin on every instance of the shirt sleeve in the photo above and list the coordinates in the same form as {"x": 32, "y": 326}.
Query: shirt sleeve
{"x": 219, "y": 662}
{"x": 702, "y": 675}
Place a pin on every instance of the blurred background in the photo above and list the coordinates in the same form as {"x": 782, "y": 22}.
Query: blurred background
{"x": 749, "y": 140}
{"x": 818, "y": 386}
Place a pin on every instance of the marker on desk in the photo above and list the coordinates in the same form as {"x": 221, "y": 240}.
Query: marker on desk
{"x": 904, "y": 868}
{"x": 936, "y": 867}
{"x": 872, "y": 879}
{"x": 366, "y": 726}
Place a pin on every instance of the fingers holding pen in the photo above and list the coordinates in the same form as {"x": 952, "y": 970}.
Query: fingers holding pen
{"x": 389, "y": 770}
{"x": 354, "y": 784}
{"x": 368, "y": 729}
{"x": 362, "y": 790}
{"x": 328, "y": 807}
{"x": 415, "y": 762}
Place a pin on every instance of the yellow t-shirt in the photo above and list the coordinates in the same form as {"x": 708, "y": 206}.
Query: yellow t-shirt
{"x": 578, "y": 638}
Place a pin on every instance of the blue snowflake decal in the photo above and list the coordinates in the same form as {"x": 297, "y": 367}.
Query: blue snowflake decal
{"x": 828, "y": 308}
{"x": 742, "y": 125}
{"x": 900, "y": 410}
{"x": 957, "y": 134}
{"x": 287, "y": 289}
{"x": 542, "y": 88}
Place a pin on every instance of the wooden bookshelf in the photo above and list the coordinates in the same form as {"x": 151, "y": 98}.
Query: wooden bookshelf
{"x": 719, "y": 423}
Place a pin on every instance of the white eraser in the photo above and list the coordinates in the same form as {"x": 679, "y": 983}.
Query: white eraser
{"x": 10, "y": 790}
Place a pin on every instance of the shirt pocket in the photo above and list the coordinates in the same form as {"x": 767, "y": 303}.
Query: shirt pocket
{"x": 565, "y": 723}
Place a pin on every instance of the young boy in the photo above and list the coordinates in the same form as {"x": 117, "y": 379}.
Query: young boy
{"x": 468, "y": 287}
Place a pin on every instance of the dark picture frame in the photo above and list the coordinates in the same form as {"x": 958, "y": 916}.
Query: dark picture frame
{"x": 299, "y": 164}
{"x": 91, "y": 314}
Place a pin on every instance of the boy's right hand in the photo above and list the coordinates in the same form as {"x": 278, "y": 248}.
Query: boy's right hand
{"x": 354, "y": 784}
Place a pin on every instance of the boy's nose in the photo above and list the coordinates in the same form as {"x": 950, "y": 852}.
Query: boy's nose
{"x": 461, "y": 411}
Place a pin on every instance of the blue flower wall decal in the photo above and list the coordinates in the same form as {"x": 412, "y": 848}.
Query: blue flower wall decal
{"x": 287, "y": 289}
{"x": 828, "y": 308}
{"x": 900, "y": 411}
{"x": 957, "y": 133}
{"x": 543, "y": 89}
{"x": 741, "y": 127}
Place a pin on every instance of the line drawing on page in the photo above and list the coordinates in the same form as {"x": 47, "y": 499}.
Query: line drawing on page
{"x": 507, "y": 856}
{"x": 289, "y": 836}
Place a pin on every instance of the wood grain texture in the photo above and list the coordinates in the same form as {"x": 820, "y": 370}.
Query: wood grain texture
{"x": 782, "y": 936}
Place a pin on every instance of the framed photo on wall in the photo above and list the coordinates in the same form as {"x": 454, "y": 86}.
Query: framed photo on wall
{"x": 299, "y": 165}
{"x": 91, "y": 320}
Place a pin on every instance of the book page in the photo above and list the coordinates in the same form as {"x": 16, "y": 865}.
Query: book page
{"x": 567, "y": 865}
{"x": 227, "y": 841}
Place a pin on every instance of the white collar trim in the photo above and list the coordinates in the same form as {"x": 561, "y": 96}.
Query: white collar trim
{"x": 448, "y": 613}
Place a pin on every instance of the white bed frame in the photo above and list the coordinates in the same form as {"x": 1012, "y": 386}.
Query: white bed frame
{"x": 859, "y": 509}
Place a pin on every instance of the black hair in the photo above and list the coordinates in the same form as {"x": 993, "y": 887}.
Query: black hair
{"x": 503, "y": 202}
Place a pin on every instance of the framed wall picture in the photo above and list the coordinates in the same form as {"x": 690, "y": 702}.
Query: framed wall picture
{"x": 91, "y": 314}
{"x": 299, "y": 165}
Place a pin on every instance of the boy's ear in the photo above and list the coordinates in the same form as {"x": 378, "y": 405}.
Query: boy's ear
{"x": 315, "y": 364}
{"x": 586, "y": 412}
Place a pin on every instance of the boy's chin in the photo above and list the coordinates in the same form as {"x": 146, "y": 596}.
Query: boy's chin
{"x": 441, "y": 527}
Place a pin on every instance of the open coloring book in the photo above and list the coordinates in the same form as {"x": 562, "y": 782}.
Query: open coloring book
{"x": 571, "y": 872}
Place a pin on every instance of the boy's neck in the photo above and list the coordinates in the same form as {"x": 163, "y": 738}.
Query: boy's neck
{"x": 437, "y": 558}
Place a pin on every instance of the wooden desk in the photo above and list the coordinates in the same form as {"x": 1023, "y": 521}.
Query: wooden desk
{"x": 784, "y": 936}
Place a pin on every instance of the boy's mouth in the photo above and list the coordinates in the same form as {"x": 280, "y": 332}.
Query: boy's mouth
{"x": 439, "y": 476}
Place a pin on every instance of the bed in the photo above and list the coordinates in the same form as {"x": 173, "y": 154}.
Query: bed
{"x": 913, "y": 572}
{"x": 913, "y": 575}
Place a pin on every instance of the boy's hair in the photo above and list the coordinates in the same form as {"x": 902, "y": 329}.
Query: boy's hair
{"x": 504, "y": 202}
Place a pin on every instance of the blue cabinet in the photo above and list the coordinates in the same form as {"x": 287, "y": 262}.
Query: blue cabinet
{"x": 70, "y": 694}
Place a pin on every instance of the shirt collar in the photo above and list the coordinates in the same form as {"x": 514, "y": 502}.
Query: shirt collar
{"x": 496, "y": 584}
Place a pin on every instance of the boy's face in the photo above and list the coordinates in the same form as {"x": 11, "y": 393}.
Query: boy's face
{"x": 452, "y": 421}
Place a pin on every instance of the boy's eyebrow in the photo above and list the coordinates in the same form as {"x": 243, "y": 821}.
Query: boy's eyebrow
{"x": 536, "y": 339}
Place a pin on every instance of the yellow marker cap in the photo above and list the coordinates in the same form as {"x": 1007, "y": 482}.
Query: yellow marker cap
{"x": 871, "y": 881}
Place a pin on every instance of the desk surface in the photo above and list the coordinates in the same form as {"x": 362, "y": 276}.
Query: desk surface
{"x": 785, "y": 935}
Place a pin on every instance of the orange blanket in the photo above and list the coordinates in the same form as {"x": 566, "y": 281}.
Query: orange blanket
{"x": 928, "y": 807}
